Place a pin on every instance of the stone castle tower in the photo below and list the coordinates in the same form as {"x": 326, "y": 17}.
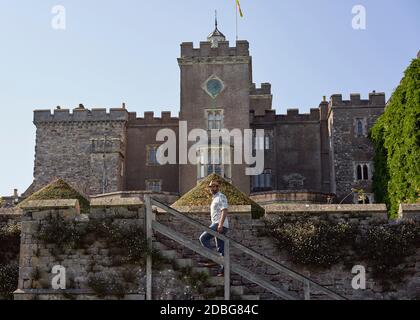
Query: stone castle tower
{"x": 308, "y": 157}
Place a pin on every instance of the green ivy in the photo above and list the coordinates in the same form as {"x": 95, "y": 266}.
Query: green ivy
{"x": 396, "y": 137}
{"x": 325, "y": 243}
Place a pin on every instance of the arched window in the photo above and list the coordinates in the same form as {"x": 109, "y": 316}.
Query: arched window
{"x": 365, "y": 172}
{"x": 359, "y": 172}
{"x": 263, "y": 181}
{"x": 360, "y": 130}
{"x": 267, "y": 178}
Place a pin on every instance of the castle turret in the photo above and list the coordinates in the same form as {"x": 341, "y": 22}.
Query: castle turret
{"x": 216, "y": 36}
{"x": 215, "y": 90}
{"x": 85, "y": 148}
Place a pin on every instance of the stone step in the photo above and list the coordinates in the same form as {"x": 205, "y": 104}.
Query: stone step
{"x": 168, "y": 254}
{"x": 159, "y": 246}
{"x": 201, "y": 270}
{"x": 250, "y": 297}
{"x": 210, "y": 290}
{"x": 237, "y": 290}
{"x": 217, "y": 281}
{"x": 184, "y": 263}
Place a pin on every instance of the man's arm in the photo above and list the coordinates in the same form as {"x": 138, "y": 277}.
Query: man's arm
{"x": 222, "y": 220}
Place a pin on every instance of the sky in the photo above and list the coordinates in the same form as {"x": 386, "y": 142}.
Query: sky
{"x": 125, "y": 51}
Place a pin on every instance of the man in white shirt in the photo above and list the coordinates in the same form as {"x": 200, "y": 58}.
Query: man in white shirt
{"x": 219, "y": 221}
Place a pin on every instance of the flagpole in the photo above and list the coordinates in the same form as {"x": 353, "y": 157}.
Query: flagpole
{"x": 236, "y": 11}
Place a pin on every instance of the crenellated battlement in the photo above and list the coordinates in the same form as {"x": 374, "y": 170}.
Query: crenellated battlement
{"x": 265, "y": 89}
{"x": 223, "y": 49}
{"x": 292, "y": 115}
{"x": 150, "y": 119}
{"x": 375, "y": 99}
{"x": 80, "y": 115}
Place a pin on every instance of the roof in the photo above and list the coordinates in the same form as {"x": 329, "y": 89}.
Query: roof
{"x": 200, "y": 196}
{"x": 216, "y": 33}
{"x": 59, "y": 189}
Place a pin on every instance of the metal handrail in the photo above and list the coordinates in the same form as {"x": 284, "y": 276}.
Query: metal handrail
{"x": 307, "y": 282}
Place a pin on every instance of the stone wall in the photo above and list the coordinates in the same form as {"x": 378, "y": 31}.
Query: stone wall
{"x": 97, "y": 257}
{"x": 348, "y": 148}
{"x": 296, "y": 197}
{"x": 85, "y": 148}
{"x": 37, "y": 258}
{"x": 94, "y": 258}
{"x": 9, "y": 216}
{"x": 250, "y": 232}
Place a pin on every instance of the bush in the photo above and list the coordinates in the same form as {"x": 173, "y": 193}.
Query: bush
{"x": 9, "y": 242}
{"x": 315, "y": 243}
{"x": 64, "y": 234}
{"x": 106, "y": 285}
{"x": 9, "y": 276}
{"x": 196, "y": 280}
{"x": 311, "y": 242}
{"x": 128, "y": 238}
{"x": 386, "y": 246}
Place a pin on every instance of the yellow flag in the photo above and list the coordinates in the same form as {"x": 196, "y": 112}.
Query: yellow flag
{"x": 239, "y": 8}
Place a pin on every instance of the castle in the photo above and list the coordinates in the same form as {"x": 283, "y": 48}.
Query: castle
{"x": 308, "y": 157}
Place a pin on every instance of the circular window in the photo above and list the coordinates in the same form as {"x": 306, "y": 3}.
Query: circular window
{"x": 214, "y": 87}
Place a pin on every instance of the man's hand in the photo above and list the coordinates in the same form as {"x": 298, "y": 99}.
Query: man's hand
{"x": 220, "y": 228}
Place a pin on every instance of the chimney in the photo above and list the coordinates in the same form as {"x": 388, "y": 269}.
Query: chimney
{"x": 15, "y": 193}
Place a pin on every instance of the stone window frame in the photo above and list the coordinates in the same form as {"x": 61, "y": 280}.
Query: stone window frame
{"x": 213, "y": 77}
{"x": 359, "y": 168}
{"x": 264, "y": 143}
{"x": 203, "y": 168}
{"x": 207, "y": 113}
{"x": 154, "y": 182}
{"x": 268, "y": 139}
{"x": 150, "y": 147}
{"x": 356, "y": 123}
{"x": 260, "y": 181}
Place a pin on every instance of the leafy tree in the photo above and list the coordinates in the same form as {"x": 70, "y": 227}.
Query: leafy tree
{"x": 396, "y": 137}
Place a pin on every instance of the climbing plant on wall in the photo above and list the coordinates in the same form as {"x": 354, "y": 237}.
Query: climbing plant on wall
{"x": 396, "y": 137}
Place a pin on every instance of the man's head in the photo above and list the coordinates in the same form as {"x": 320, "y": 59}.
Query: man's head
{"x": 214, "y": 186}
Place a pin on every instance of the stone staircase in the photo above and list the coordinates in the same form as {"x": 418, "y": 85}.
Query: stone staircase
{"x": 215, "y": 285}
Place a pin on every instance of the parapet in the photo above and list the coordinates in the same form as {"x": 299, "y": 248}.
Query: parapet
{"x": 292, "y": 115}
{"x": 223, "y": 49}
{"x": 375, "y": 99}
{"x": 409, "y": 211}
{"x": 80, "y": 115}
{"x": 265, "y": 89}
{"x": 150, "y": 119}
